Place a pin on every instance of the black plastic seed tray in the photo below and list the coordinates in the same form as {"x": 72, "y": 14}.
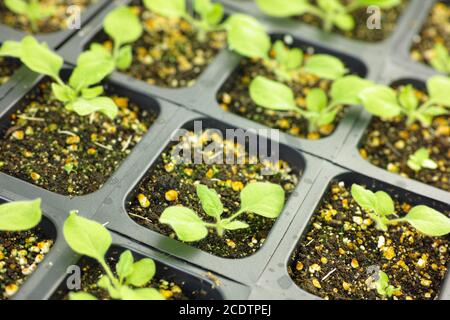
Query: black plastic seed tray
{"x": 89, "y": 202}
{"x": 13, "y": 81}
{"x": 276, "y": 283}
{"x": 246, "y": 270}
{"x": 349, "y": 156}
{"x": 54, "y": 39}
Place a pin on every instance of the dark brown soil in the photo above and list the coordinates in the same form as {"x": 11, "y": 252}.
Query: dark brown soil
{"x": 56, "y": 22}
{"x": 227, "y": 180}
{"x": 64, "y": 153}
{"x": 169, "y": 53}
{"x": 435, "y": 31}
{"x": 388, "y": 145}
{"x": 20, "y": 254}
{"x": 234, "y": 97}
{"x": 7, "y": 68}
{"x": 342, "y": 248}
{"x": 361, "y": 32}
{"x": 91, "y": 272}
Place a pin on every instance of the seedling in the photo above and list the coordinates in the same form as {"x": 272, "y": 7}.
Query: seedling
{"x": 264, "y": 199}
{"x": 380, "y": 206}
{"x": 208, "y": 15}
{"x": 81, "y": 94}
{"x": 421, "y": 160}
{"x": 440, "y": 58}
{"x": 320, "y": 110}
{"x": 124, "y": 28}
{"x": 20, "y": 215}
{"x": 383, "y": 287}
{"x": 248, "y": 37}
{"x": 331, "y": 12}
{"x": 32, "y": 10}
{"x": 90, "y": 238}
{"x": 386, "y": 103}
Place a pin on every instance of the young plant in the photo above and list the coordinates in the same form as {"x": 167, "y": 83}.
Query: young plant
{"x": 90, "y": 238}
{"x": 20, "y": 215}
{"x": 332, "y": 12}
{"x": 124, "y": 28}
{"x": 208, "y": 15}
{"x": 421, "y": 160}
{"x": 32, "y": 10}
{"x": 320, "y": 110}
{"x": 264, "y": 199}
{"x": 387, "y": 103}
{"x": 380, "y": 206}
{"x": 383, "y": 287}
{"x": 248, "y": 37}
{"x": 440, "y": 58}
{"x": 82, "y": 94}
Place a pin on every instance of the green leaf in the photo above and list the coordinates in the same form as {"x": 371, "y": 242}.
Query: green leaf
{"x": 210, "y": 200}
{"x": 185, "y": 222}
{"x": 212, "y": 13}
{"x": 441, "y": 58}
{"x": 421, "y": 159}
{"x": 106, "y": 284}
{"x": 407, "y": 98}
{"x": 384, "y": 204}
{"x": 327, "y": 117}
{"x": 366, "y": 199}
{"x": 247, "y": 36}
{"x": 39, "y": 58}
{"x": 263, "y": 198}
{"x": 91, "y": 93}
{"x": 123, "y": 26}
{"x": 272, "y": 95}
{"x": 325, "y": 66}
{"x": 143, "y": 271}
{"x": 170, "y": 9}
{"x": 11, "y": 49}
{"x": 346, "y": 90}
{"x": 283, "y": 8}
{"x": 380, "y": 101}
{"x": 235, "y": 225}
{"x": 316, "y": 100}
{"x": 428, "y": 221}
{"x": 331, "y": 6}
{"x": 86, "y": 237}
{"x": 81, "y": 296}
{"x": 383, "y": 4}
{"x": 124, "y": 58}
{"x": 17, "y": 6}
{"x": 438, "y": 89}
{"x": 125, "y": 265}
{"x": 289, "y": 59}
{"x": 344, "y": 21}
{"x": 92, "y": 68}
{"x": 105, "y": 105}
{"x": 20, "y": 215}
{"x": 140, "y": 294}
{"x": 63, "y": 93}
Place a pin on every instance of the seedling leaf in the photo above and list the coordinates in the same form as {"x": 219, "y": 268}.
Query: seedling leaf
{"x": 272, "y": 95}
{"x": 428, "y": 221}
{"x": 263, "y": 198}
{"x": 20, "y": 215}
{"x": 187, "y": 225}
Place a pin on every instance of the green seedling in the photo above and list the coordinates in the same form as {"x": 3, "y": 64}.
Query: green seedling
{"x": 333, "y": 13}
{"x": 387, "y": 103}
{"x": 440, "y": 58}
{"x": 124, "y": 28}
{"x": 82, "y": 94}
{"x": 20, "y": 215}
{"x": 320, "y": 109}
{"x": 421, "y": 160}
{"x": 32, "y": 10}
{"x": 208, "y": 16}
{"x": 264, "y": 199}
{"x": 248, "y": 37}
{"x": 90, "y": 238}
{"x": 383, "y": 287}
{"x": 380, "y": 206}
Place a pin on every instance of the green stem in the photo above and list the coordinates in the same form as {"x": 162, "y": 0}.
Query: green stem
{"x": 110, "y": 274}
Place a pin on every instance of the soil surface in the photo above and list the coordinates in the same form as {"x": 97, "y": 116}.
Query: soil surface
{"x": 20, "y": 254}
{"x": 91, "y": 272}
{"x": 168, "y": 183}
{"x": 389, "y": 19}
{"x": 169, "y": 53}
{"x": 341, "y": 251}
{"x": 435, "y": 31}
{"x": 64, "y": 153}
{"x": 234, "y": 97}
{"x": 7, "y": 68}
{"x": 389, "y": 144}
{"x": 56, "y": 22}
